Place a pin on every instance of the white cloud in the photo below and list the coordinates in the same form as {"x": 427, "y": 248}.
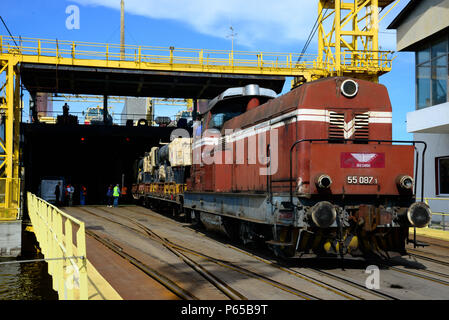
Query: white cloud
{"x": 253, "y": 20}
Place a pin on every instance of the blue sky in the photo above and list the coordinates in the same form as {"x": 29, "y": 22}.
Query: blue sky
{"x": 261, "y": 25}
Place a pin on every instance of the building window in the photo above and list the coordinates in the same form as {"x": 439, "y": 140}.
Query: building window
{"x": 432, "y": 74}
{"x": 442, "y": 178}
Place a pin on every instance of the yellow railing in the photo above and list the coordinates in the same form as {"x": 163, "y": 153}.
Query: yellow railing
{"x": 62, "y": 240}
{"x": 9, "y": 208}
{"x": 63, "y": 51}
{"x": 442, "y": 214}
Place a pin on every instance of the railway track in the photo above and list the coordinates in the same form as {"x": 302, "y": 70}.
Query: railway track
{"x": 427, "y": 258}
{"x": 169, "y": 284}
{"x": 420, "y": 275}
{"x": 166, "y": 282}
{"x": 194, "y": 259}
{"x": 183, "y": 252}
{"x": 353, "y": 284}
{"x": 338, "y": 291}
{"x": 426, "y": 255}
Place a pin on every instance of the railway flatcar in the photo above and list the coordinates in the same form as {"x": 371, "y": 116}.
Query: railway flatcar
{"x": 312, "y": 171}
{"x": 162, "y": 175}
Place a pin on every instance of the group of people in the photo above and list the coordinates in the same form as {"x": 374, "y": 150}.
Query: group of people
{"x": 69, "y": 192}
{"x": 113, "y": 194}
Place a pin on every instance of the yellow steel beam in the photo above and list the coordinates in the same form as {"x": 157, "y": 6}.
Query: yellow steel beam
{"x": 163, "y": 59}
{"x": 153, "y": 58}
{"x": 9, "y": 167}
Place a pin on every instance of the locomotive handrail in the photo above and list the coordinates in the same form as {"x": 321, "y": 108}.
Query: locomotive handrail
{"x": 354, "y": 140}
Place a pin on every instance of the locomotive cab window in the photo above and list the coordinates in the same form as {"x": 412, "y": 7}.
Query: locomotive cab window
{"x": 224, "y": 113}
{"x": 442, "y": 178}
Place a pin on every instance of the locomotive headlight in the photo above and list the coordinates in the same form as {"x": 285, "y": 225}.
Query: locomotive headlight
{"x": 349, "y": 88}
{"x": 323, "y": 214}
{"x": 419, "y": 214}
{"x": 404, "y": 182}
{"x": 323, "y": 181}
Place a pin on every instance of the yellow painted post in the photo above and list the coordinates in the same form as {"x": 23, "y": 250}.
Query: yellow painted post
{"x": 337, "y": 37}
{"x": 355, "y": 28}
{"x": 47, "y": 214}
{"x": 58, "y": 256}
{"x": 39, "y": 50}
{"x": 55, "y": 252}
{"x": 140, "y": 55}
{"x": 69, "y": 248}
{"x": 9, "y": 135}
{"x": 375, "y": 30}
{"x": 51, "y": 253}
{"x": 16, "y": 144}
{"x": 82, "y": 263}
{"x": 320, "y": 31}
{"x": 201, "y": 57}
{"x": 73, "y": 52}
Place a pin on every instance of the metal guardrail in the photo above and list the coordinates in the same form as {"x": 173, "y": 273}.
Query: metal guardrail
{"x": 187, "y": 58}
{"x": 442, "y": 214}
{"x": 62, "y": 240}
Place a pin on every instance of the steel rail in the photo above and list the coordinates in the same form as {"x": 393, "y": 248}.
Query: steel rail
{"x": 444, "y": 263}
{"x": 167, "y": 243}
{"x": 218, "y": 283}
{"x": 420, "y": 256}
{"x": 319, "y": 283}
{"x": 256, "y": 275}
{"x": 354, "y": 284}
{"x": 222, "y": 263}
{"x": 416, "y": 275}
{"x": 301, "y": 275}
{"x": 166, "y": 282}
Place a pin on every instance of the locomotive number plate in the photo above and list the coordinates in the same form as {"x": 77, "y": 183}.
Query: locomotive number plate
{"x": 367, "y": 180}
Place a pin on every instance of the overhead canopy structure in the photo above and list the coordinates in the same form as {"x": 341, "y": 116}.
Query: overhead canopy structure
{"x": 38, "y": 77}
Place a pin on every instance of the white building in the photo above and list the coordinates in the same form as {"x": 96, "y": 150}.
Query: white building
{"x": 423, "y": 27}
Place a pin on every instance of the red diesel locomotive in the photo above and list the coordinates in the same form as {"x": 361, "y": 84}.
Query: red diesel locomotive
{"x": 312, "y": 171}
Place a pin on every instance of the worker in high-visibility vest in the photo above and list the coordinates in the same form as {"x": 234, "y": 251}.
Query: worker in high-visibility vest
{"x": 116, "y": 195}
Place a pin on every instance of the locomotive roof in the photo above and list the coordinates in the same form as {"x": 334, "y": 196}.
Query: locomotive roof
{"x": 242, "y": 94}
{"x": 320, "y": 94}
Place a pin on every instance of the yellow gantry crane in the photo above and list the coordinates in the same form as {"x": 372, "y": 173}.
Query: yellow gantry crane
{"x": 348, "y": 45}
{"x": 348, "y": 40}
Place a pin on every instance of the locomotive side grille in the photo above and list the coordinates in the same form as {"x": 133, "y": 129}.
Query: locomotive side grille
{"x": 336, "y": 125}
{"x": 223, "y": 144}
{"x": 361, "y": 122}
